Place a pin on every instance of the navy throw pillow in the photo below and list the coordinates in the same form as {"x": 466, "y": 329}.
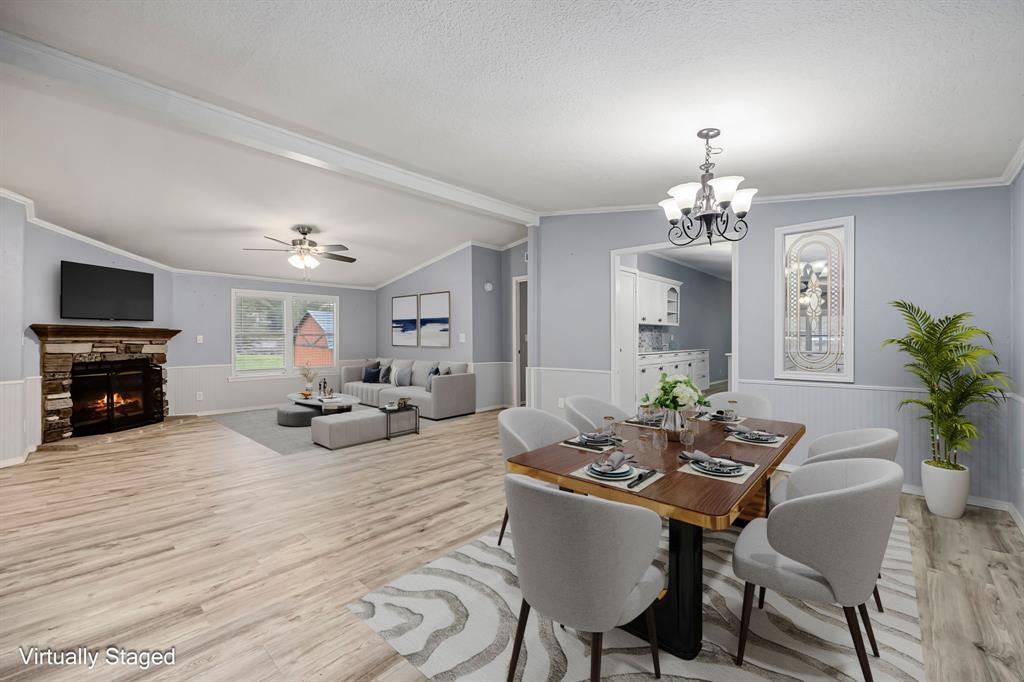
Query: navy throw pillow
{"x": 371, "y": 375}
{"x": 434, "y": 371}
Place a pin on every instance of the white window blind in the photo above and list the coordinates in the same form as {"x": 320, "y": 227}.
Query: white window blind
{"x": 260, "y": 334}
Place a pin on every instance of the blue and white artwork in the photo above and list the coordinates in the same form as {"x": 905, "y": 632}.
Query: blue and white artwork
{"x": 435, "y": 318}
{"x": 404, "y": 327}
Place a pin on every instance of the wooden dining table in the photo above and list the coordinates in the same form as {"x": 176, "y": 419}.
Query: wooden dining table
{"x": 691, "y": 503}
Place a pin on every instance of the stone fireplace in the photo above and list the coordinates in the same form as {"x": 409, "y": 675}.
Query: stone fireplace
{"x": 101, "y": 379}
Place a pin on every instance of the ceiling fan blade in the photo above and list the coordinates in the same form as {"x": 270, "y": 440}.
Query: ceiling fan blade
{"x": 283, "y": 250}
{"x": 332, "y": 247}
{"x": 277, "y": 240}
{"x": 333, "y": 256}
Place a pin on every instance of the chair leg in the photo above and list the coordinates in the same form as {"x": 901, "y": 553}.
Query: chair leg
{"x": 748, "y": 602}
{"x": 652, "y": 637}
{"x": 760, "y": 598}
{"x": 596, "y": 644}
{"x": 878, "y": 600}
{"x": 524, "y": 614}
{"x": 504, "y": 522}
{"x": 867, "y": 626}
{"x": 858, "y": 642}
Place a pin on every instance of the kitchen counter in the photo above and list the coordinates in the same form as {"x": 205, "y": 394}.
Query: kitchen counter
{"x": 675, "y": 350}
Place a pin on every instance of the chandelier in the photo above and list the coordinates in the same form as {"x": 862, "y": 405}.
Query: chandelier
{"x": 709, "y": 202}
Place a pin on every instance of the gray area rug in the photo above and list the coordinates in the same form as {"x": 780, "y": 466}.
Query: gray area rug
{"x": 455, "y": 618}
{"x": 262, "y": 427}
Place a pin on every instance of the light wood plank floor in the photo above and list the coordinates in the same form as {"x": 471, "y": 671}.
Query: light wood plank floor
{"x": 189, "y": 535}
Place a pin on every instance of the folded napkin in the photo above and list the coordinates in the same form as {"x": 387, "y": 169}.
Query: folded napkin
{"x": 699, "y": 456}
{"x": 610, "y": 463}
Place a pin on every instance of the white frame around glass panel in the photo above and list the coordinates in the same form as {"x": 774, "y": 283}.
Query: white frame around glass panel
{"x": 844, "y": 228}
{"x": 289, "y": 347}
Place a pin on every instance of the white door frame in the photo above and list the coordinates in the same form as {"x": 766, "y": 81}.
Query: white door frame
{"x": 517, "y": 357}
{"x": 613, "y": 260}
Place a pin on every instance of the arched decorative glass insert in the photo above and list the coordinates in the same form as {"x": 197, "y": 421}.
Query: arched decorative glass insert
{"x": 814, "y": 301}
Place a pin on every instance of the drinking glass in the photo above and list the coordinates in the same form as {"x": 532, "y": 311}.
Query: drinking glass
{"x": 609, "y": 426}
{"x": 686, "y": 439}
{"x": 660, "y": 440}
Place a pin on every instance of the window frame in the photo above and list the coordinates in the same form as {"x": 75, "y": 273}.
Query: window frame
{"x": 290, "y": 369}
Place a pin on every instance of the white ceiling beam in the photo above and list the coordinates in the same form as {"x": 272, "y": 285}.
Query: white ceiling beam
{"x": 209, "y": 119}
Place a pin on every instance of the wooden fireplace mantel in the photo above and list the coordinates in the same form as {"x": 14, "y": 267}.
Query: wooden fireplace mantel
{"x": 75, "y": 332}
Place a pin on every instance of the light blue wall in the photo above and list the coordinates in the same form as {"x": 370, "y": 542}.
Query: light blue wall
{"x": 12, "y": 254}
{"x": 202, "y": 305}
{"x": 452, "y": 273}
{"x": 513, "y": 264}
{"x": 706, "y": 305}
{"x": 943, "y": 250}
{"x": 195, "y": 304}
{"x": 487, "y": 308}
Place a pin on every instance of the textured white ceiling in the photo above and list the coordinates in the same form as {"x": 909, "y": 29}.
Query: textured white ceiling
{"x": 193, "y": 202}
{"x": 562, "y": 105}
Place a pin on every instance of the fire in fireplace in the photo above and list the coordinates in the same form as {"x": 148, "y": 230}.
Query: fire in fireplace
{"x": 114, "y": 395}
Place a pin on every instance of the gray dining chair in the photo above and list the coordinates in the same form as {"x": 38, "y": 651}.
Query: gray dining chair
{"x": 825, "y": 543}
{"x": 745, "y": 404}
{"x": 583, "y": 562}
{"x": 587, "y": 414}
{"x": 874, "y": 443}
{"x": 522, "y": 429}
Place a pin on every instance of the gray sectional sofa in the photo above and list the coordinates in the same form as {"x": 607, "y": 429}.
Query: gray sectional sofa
{"x": 450, "y": 395}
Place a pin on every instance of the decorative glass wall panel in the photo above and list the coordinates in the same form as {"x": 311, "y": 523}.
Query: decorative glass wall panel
{"x": 814, "y": 301}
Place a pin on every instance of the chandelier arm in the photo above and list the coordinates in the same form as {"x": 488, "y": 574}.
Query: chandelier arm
{"x": 676, "y": 233}
{"x": 739, "y": 227}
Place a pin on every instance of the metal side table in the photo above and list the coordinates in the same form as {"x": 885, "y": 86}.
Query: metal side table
{"x": 388, "y": 414}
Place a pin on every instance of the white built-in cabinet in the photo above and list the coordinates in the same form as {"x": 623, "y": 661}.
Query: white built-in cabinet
{"x": 690, "y": 363}
{"x": 657, "y": 300}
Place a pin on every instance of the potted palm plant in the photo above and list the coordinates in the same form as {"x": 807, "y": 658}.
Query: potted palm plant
{"x": 944, "y": 355}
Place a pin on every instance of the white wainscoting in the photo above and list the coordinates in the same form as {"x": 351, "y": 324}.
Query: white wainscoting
{"x": 20, "y": 419}
{"x": 826, "y": 408}
{"x": 546, "y": 385}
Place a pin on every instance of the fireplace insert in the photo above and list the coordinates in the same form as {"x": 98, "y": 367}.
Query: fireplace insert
{"x": 115, "y": 395}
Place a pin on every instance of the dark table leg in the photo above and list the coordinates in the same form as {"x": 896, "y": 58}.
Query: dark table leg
{"x": 679, "y": 615}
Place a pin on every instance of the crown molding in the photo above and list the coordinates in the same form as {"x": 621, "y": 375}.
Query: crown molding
{"x": 200, "y": 116}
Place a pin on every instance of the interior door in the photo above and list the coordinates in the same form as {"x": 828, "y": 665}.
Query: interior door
{"x": 625, "y": 339}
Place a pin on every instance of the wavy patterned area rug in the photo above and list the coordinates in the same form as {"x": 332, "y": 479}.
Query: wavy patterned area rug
{"x": 454, "y": 619}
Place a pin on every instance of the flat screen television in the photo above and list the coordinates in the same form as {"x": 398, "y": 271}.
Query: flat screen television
{"x": 93, "y": 292}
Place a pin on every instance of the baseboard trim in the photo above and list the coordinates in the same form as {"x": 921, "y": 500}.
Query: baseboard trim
{"x": 490, "y": 408}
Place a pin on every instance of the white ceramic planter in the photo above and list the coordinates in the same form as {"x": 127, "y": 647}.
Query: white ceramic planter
{"x": 945, "y": 490}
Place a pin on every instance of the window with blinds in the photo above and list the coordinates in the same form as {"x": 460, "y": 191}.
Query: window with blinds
{"x": 279, "y": 333}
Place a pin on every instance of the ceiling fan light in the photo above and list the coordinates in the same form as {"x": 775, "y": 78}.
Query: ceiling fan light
{"x": 671, "y": 208}
{"x": 310, "y": 262}
{"x": 685, "y": 195}
{"x": 725, "y": 188}
{"x": 295, "y": 260}
{"x": 741, "y": 201}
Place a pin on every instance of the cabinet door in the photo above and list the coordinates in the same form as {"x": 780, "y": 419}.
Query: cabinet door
{"x": 647, "y": 295}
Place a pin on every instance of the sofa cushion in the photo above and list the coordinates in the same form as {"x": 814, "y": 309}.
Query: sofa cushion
{"x": 371, "y": 375}
{"x": 367, "y": 393}
{"x": 384, "y": 362}
{"x": 420, "y": 372}
{"x": 385, "y": 375}
{"x": 373, "y": 365}
{"x": 455, "y": 367}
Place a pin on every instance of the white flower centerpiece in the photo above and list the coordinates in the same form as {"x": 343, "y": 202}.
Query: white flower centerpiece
{"x": 675, "y": 394}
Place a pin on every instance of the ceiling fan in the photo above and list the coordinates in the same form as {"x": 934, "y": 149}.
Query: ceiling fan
{"x": 306, "y": 251}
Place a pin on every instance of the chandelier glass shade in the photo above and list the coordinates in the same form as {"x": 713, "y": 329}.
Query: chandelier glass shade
{"x": 696, "y": 209}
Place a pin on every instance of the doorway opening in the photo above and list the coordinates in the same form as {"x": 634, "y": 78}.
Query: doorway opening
{"x": 520, "y": 339}
{"x": 673, "y": 312}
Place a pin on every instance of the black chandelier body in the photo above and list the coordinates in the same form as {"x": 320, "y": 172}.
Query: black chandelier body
{"x": 703, "y": 209}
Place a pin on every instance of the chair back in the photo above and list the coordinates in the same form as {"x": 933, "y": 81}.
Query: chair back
{"x": 587, "y": 414}
{"x": 855, "y": 444}
{"x": 522, "y": 429}
{"x": 578, "y": 557}
{"x": 837, "y": 520}
{"x": 745, "y": 404}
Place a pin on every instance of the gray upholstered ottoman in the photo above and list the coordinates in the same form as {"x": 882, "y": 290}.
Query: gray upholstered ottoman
{"x": 290, "y": 414}
{"x": 359, "y": 426}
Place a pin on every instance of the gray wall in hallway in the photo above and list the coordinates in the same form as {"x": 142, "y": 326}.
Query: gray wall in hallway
{"x": 452, "y": 273}
{"x": 12, "y": 323}
{"x": 513, "y": 264}
{"x": 908, "y": 246}
{"x": 706, "y": 305}
{"x": 1015, "y": 473}
{"x": 487, "y": 309}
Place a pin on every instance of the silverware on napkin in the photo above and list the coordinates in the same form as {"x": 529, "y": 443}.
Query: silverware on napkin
{"x": 698, "y": 456}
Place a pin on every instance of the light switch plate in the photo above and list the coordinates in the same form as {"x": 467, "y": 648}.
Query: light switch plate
{"x": 199, "y": 338}
{"x": 561, "y": 402}
{"x": 462, "y": 338}
{"x": 199, "y": 395}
